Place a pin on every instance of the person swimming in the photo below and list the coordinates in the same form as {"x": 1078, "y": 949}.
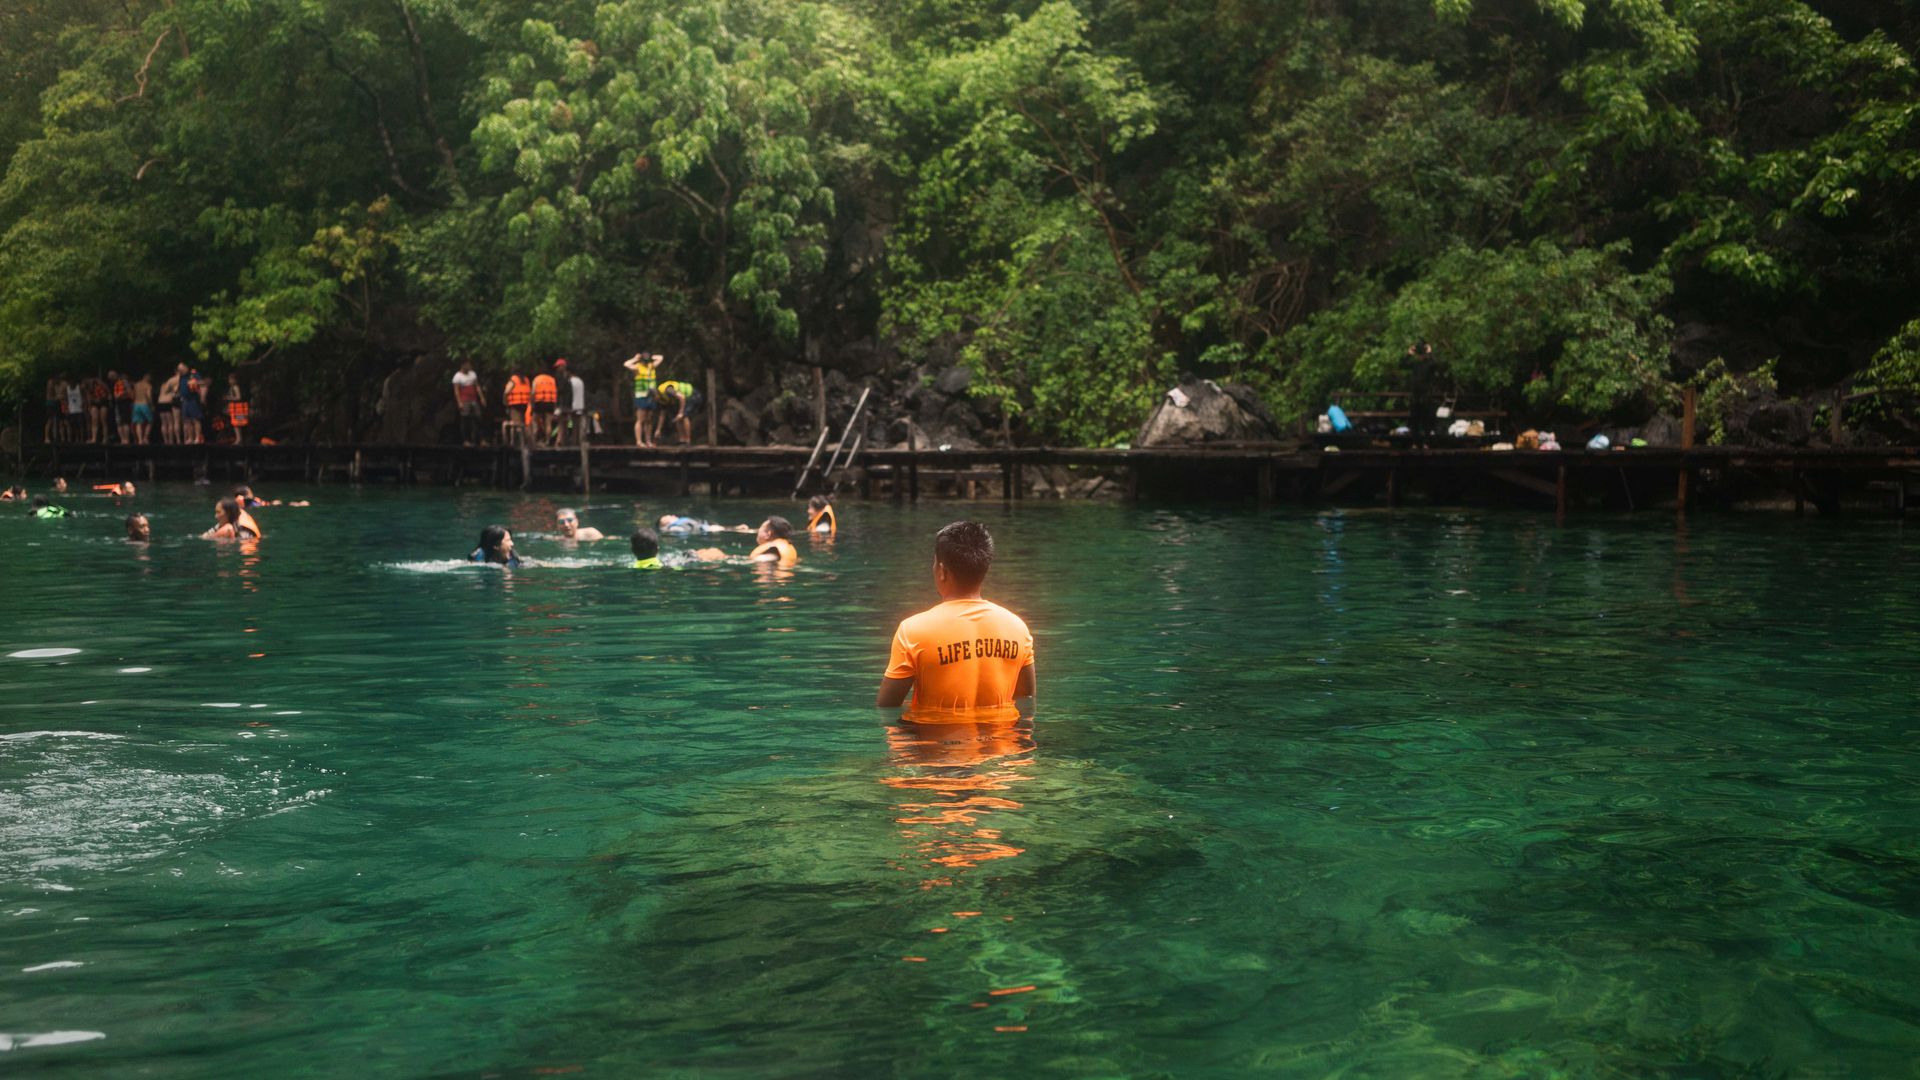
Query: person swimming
{"x": 14, "y": 494}
{"x": 820, "y": 517}
{"x": 496, "y": 547}
{"x": 646, "y": 549}
{"x": 138, "y": 530}
{"x": 230, "y": 522}
{"x": 45, "y": 510}
{"x": 571, "y": 529}
{"x": 243, "y": 494}
{"x": 121, "y": 489}
{"x": 774, "y": 544}
{"x": 59, "y": 485}
{"x": 686, "y": 526}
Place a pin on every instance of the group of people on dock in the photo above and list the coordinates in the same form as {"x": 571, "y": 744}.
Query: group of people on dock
{"x": 125, "y": 409}
{"x": 549, "y": 408}
{"x": 773, "y": 539}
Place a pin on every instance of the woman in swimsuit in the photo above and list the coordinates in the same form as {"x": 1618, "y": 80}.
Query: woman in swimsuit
{"x": 231, "y": 523}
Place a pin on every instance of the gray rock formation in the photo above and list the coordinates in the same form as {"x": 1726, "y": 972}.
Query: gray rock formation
{"x": 1212, "y": 413}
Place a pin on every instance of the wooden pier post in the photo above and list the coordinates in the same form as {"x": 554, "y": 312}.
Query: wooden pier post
{"x": 1263, "y": 483}
{"x": 586, "y": 464}
{"x": 526, "y": 465}
{"x": 913, "y": 466}
{"x": 713, "y": 410}
{"x": 1560, "y": 496}
{"x": 1006, "y": 479}
{"x": 819, "y": 398}
{"x": 1393, "y": 486}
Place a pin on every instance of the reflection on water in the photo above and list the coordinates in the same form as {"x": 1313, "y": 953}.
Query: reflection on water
{"x": 953, "y": 777}
{"x": 1363, "y": 794}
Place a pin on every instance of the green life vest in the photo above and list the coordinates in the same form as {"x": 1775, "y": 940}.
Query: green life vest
{"x": 685, "y": 389}
{"x": 46, "y": 512}
{"x": 647, "y": 564}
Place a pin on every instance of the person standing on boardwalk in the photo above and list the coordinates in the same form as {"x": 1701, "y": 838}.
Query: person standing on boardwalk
{"x": 55, "y": 430}
{"x": 546, "y": 401}
{"x": 76, "y": 414}
{"x": 239, "y": 410}
{"x": 193, "y": 390}
{"x": 577, "y": 398}
{"x": 518, "y": 398}
{"x": 470, "y": 399}
{"x": 99, "y": 395}
{"x": 122, "y": 409}
{"x": 646, "y": 375}
{"x": 966, "y": 652}
{"x": 678, "y": 398}
{"x": 169, "y": 401}
{"x": 143, "y": 410}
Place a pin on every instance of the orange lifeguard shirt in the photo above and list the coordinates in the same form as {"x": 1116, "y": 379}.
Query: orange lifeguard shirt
{"x": 961, "y": 654}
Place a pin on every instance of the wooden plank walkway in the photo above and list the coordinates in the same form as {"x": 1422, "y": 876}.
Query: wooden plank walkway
{"x": 1264, "y": 472}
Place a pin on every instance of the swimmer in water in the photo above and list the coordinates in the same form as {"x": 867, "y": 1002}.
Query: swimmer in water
{"x": 646, "y": 549}
{"x": 138, "y": 531}
{"x": 45, "y": 510}
{"x": 686, "y": 526}
{"x": 773, "y": 543}
{"x": 571, "y": 529}
{"x": 496, "y": 547}
{"x": 243, "y": 494}
{"x": 13, "y": 494}
{"x": 119, "y": 490}
{"x": 230, "y": 522}
{"x": 820, "y": 519}
{"x": 965, "y": 652}
{"x": 59, "y": 485}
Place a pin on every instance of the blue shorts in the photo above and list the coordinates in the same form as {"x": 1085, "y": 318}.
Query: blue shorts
{"x": 142, "y": 414}
{"x": 643, "y": 404}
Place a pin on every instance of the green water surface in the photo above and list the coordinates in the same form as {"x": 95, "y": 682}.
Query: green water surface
{"x": 1361, "y": 794}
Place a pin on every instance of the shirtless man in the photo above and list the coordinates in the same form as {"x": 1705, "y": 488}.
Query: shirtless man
{"x": 964, "y": 653}
{"x": 143, "y": 410}
{"x": 571, "y": 529}
{"x": 169, "y": 402}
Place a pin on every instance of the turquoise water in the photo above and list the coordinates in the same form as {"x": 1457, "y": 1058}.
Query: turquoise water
{"x": 1361, "y": 794}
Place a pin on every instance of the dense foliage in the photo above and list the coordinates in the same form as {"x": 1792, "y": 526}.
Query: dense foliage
{"x": 1583, "y": 205}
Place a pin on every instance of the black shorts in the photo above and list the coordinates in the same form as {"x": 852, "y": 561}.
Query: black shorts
{"x": 543, "y": 408}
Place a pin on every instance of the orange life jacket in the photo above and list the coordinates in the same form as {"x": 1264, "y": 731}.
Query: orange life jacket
{"x": 518, "y": 393}
{"x": 97, "y": 391}
{"x": 833, "y": 523}
{"x": 120, "y": 390}
{"x": 237, "y": 413}
{"x": 246, "y": 522}
{"x": 788, "y": 556}
{"x": 545, "y": 389}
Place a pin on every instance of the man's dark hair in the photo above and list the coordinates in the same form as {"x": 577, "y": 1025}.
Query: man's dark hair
{"x": 818, "y": 503}
{"x": 782, "y": 528}
{"x": 241, "y": 491}
{"x": 965, "y": 548}
{"x": 40, "y": 501}
{"x": 646, "y": 543}
{"x": 131, "y": 518}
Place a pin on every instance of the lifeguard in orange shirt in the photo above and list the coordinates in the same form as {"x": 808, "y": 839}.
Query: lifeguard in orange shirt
{"x": 966, "y": 652}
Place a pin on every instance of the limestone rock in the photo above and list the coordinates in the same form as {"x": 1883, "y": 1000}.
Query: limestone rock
{"x": 1212, "y": 413}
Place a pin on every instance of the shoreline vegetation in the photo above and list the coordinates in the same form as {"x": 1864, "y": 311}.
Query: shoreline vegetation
{"x": 1021, "y": 223}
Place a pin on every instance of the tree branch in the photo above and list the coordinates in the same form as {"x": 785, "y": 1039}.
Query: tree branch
{"x": 423, "y": 98}
{"x": 379, "y": 117}
{"x": 140, "y": 77}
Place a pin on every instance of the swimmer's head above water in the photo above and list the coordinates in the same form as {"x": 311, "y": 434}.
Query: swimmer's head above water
{"x": 646, "y": 549}
{"x": 569, "y": 523}
{"x": 138, "y": 530}
{"x": 774, "y": 528}
{"x": 496, "y": 546}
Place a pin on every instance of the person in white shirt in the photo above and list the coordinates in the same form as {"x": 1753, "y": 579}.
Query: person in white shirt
{"x": 581, "y": 431}
{"x": 470, "y": 398}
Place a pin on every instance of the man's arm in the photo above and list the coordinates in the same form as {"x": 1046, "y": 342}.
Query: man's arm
{"x": 893, "y": 692}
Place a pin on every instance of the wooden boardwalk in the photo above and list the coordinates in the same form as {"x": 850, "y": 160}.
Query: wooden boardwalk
{"x": 1562, "y": 480}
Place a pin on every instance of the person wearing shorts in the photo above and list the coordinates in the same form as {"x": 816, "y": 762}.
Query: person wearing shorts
{"x": 143, "y": 410}
{"x": 169, "y": 402}
{"x": 76, "y": 411}
{"x": 678, "y": 398}
{"x": 470, "y": 400}
{"x": 122, "y": 407}
{"x": 192, "y": 417}
{"x": 55, "y": 429}
{"x": 646, "y": 376}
